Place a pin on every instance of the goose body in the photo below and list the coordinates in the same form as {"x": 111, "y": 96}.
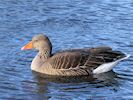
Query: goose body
{"x": 74, "y": 62}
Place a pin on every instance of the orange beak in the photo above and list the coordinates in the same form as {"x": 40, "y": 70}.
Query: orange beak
{"x": 28, "y": 46}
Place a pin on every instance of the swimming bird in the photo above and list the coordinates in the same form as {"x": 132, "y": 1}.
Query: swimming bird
{"x": 73, "y": 62}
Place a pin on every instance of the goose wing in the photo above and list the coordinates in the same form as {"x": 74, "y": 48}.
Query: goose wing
{"x": 84, "y": 58}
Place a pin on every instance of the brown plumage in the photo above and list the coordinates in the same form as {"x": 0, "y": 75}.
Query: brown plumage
{"x": 72, "y": 62}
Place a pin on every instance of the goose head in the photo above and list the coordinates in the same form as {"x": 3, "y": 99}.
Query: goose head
{"x": 40, "y": 42}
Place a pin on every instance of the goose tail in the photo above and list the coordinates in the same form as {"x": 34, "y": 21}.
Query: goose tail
{"x": 109, "y": 66}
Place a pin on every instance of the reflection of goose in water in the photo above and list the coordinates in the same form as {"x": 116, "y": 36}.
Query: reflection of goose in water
{"x": 75, "y": 62}
{"x": 50, "y": 84}
{"x": 104, "y": 77}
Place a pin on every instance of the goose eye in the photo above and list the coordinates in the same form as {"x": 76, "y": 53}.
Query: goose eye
{"x": 36, "y": 40}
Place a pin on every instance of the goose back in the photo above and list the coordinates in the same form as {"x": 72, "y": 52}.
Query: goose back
{"x": 84, "y": 58}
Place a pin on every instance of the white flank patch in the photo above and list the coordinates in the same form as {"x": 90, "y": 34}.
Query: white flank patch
{"x": 108, "y": 66}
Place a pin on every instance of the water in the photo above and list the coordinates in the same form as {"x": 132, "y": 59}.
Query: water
{"x": 69, "y": 24}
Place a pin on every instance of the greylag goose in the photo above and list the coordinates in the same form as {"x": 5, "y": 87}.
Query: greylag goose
{"x": 73, "y": 62}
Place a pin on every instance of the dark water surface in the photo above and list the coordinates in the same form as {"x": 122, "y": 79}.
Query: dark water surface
{"x": 69, "y": 24}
